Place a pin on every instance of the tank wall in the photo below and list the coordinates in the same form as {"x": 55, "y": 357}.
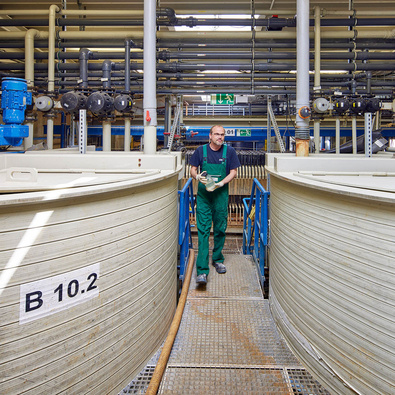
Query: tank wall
{"x": 332, "y": 284}
{"x": 111, "y": 259}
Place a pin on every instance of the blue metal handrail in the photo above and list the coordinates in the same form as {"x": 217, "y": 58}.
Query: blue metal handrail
{"x": 186, "y": 207}
{"x": 256, "y": 226}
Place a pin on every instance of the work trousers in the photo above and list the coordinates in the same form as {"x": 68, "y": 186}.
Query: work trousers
{"x": 212, "y": 208}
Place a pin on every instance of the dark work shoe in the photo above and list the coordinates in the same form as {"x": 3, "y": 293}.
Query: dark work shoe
{"x": 219, "y": 267}
{"x": 201, "y": 278}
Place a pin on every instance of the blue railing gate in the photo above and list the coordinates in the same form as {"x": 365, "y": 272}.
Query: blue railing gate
{"x": 256, "y": 227}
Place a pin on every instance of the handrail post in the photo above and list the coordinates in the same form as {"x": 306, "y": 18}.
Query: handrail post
{"x": 184, "y": 226}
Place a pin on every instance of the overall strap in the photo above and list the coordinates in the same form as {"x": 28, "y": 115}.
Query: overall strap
{"x": 224, "y": 152}
{"x": 205, "y": 153}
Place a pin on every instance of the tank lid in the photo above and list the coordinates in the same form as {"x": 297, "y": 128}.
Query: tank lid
{"x": 28, "y": 179}
{"x": 377, "y": 181}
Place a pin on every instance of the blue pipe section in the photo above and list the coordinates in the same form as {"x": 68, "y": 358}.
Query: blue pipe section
{"x": 232, "y": 134}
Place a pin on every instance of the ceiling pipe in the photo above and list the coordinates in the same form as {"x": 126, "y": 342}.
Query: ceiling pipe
{"x": 107, "y": 66}
{"x": 263, "y": 11}
{"x": 128, "y": 43}
{"x": 209, "y": 55}
{"x": 326, "y": 13}
{"x": 340, "y": 80}
{"x": 274, "y": 43}
{"x": 149, "y": 99}
{"x": 276, "y": 23}
{"x": 317, "y": 71}
{"x": 84, "y": 56}
{"x": 176, "y": 67}
{"x": 53, "y": 9}
{"x": 106, "y": 70}
{"x": 36, "y": 12}
{"x": 31, "y": 34}
{"x": 127, "y": 139}
{"x": 184, "y": 37}
{"x": 204, "y": 84}
{"x": 302, "y": 132}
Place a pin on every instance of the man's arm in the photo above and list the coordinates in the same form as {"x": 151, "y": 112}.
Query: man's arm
{"x": 232, "y": 174}
{"x": 194, "y": 172}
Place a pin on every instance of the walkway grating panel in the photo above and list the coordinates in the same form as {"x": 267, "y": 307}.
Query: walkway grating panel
{"x": 228, "y": 343}
{"x": 227, "y": 381}
{"x": 240, "y": 280}
{"x": 226, "y": 331}
{"x": 140, "y": 384}
{"x": 303, "y": 383}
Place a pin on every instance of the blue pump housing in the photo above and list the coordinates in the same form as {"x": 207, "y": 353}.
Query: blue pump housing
{"x": 14, "y": 99}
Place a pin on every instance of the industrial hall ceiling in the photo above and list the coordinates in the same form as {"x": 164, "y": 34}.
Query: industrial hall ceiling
{"x": 205, "y": 47}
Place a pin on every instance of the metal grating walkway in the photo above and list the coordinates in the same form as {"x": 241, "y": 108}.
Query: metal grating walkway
{"x": 228, "y": 343}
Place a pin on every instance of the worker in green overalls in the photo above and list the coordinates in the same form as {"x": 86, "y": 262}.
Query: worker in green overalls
{"x": 218, "y": 162}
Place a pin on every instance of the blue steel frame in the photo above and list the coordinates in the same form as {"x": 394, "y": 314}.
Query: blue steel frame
{"x": 187, "y": 206}
{"x": 256, "y": 231}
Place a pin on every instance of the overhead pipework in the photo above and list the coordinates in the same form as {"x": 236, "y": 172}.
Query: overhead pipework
{"x": 356, "y": 63}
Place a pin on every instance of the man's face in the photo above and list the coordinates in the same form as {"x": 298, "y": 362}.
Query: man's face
{"x": 217, "y": 136}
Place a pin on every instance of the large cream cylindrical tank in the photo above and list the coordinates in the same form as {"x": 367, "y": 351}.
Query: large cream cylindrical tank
{"x": 88, "y": 269}
{"x": 332, "y": 267}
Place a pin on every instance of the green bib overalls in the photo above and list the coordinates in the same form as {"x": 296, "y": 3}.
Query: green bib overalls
{"x": 211, "y": 207}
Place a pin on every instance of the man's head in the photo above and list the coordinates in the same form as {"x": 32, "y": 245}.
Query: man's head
{"x": 217, "y": 136}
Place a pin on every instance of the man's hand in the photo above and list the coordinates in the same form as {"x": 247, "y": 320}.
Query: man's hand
{"x": 216, "y": 186}
{"x": 202, "y": 177}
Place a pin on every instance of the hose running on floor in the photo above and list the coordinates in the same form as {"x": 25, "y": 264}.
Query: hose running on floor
{"x": 164, "y": 356}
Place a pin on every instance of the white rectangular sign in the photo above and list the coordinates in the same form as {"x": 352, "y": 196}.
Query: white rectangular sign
{"x": 41, "y": 298}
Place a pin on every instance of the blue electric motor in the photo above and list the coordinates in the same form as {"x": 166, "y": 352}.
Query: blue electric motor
{"x": 14, "y": 99}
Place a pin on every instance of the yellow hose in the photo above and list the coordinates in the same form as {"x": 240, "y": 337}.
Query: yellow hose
{"x": 164, "y": 356}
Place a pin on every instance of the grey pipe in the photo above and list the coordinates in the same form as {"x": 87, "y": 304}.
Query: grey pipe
{"x": 167, "y": 121}
{"x": 281, "y": 43}
{"x": 176, "y": 67}
{"x": 127, "y": 139}
{"x": 53, "y": 9}
{"x": 204, "y": 54}
{"x": 317, "y": 72}
{"x": 202, "y": 84}
{"x": 106, "y": 69}
{"x": 369, "y": 83}
{"x": 149, "y": 99}
{"x": 275, "y": 23}
{"x": 30, "y": 36}
{"x": 84, "y": 56}
{"x": 127, "y": 65}
{"x": 302, "y": 131}
{"x": 166, "y": 12}
{"x": 353, "y": 86}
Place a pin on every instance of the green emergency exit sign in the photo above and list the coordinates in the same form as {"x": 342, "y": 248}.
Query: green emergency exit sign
{"x": 223, "y": 98}
{"x": 244, "y": 132}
